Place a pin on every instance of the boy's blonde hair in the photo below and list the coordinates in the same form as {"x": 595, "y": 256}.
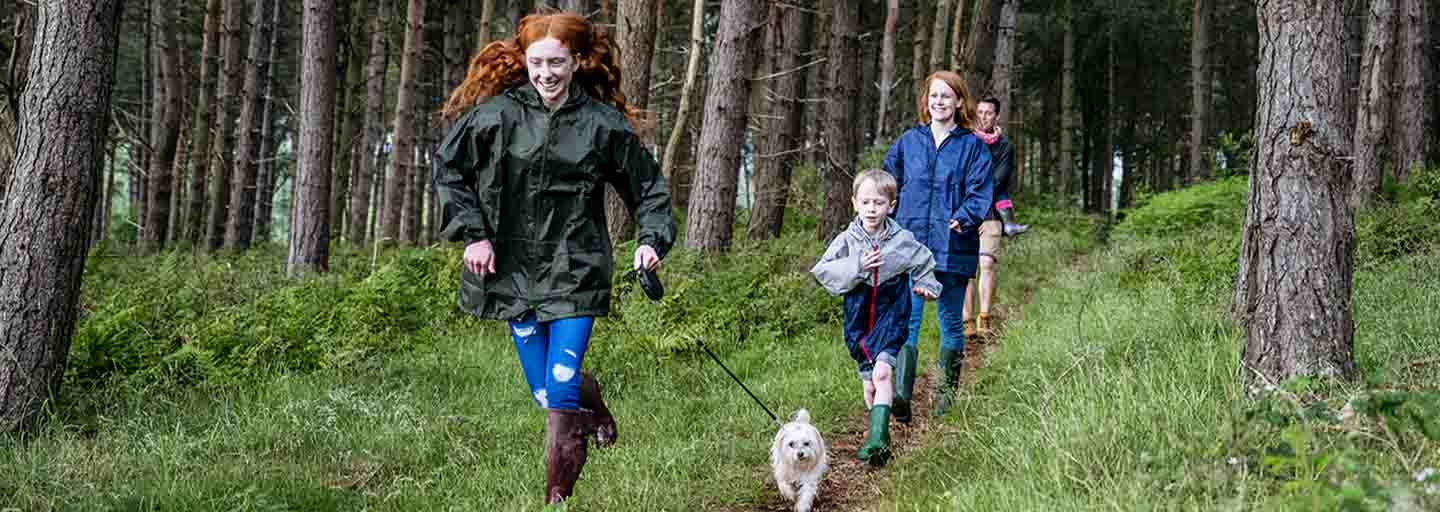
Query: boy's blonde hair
{"x": 884, "y": 182}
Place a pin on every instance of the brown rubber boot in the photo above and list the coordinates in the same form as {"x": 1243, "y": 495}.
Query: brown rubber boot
{"x": 591, "y": 398}
{"x": 565, "y": 452}
{"x": 969, "y": 328}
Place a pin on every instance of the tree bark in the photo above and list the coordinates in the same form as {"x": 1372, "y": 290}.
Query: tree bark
{"x": 957, "y": 36}
{"x": 918, "y": 46}
{"x": 201, "y": 133}
{"x": 710, "y": 222}
{"x": 978, "y": 54}
{"x": 269, "y": 156}
{"x": 637, "y": 42}
{"x": 45, "y": 219}
{"x": 310, "y": 231}
{"x": 1200, "y": 17}
{"x": 1372, "y": 119}
{"x": 485, "y": 32}
{"x": 239, "y": 224}
{"x": 401, "y": 157}
{"x": 348, "y": 119}
{"x": 839, "y": 167}
{"x": 782, "y": 142}
{"x": 692, "y": 68}
{"x": 939, "y": 34}
{"x": 164, "y": 126}
{"x": 367, "y": 155}
{"x": 887, "y": 69}
{"x": 1005, "y": 60}
{"x": 1067, "y": 111}
{"x": 227, "y": 100}
{"x": 1293, "y": 286}
{"x": 1413, "y": 104}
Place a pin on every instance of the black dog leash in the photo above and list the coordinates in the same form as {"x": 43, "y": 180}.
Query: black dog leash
{"x": 701, "y": 342}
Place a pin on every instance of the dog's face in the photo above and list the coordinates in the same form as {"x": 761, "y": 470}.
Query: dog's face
{"x": 798, "y": 445}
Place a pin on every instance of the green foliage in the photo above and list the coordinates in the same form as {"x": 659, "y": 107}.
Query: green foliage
{"x": 758, "y": 291}
{"x": 193, "y": 317}
{"x": 1216, "y": 205}
{"x": 1235, "y": 150}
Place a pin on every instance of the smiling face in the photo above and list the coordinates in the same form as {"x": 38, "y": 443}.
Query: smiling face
{"x": 987, "y": 115}
{"x": 942, "y": 102}
{"x": 551, "y": 66}
{"x": 872, "y": 205}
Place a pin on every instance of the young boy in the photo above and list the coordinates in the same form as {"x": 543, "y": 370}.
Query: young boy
{"x": 873, "y": 264}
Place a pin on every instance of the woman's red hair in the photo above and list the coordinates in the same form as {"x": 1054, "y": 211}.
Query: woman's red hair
{"x": 965, "y": 105}
{"x": 501, "y": 64}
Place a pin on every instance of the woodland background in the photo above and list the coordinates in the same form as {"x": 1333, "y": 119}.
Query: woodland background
{"x": 220, "y": 284}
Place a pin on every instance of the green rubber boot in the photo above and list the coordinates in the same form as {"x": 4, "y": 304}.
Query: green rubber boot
{"x": 949, "y": 369}
{"x": 876, "y": 450}
{"x": 905, "y": 378}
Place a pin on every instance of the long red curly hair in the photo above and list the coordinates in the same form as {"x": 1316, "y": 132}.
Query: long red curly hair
{"x": 501, "y": 64}
{"x": 964, "y": 103}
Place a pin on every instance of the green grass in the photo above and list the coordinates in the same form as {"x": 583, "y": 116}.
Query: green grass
{"x": 1114, "y": 388}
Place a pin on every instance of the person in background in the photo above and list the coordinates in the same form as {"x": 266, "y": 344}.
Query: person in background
{"x": 1000, "y": 221}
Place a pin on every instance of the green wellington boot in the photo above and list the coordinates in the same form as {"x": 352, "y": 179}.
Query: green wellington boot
{"x": 905, "y": 380}
{"x": 949, "y": 369}
{"x": 876, "y": 450}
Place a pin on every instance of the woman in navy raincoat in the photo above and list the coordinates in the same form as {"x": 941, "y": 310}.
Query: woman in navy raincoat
{"x": 943, "y": 171}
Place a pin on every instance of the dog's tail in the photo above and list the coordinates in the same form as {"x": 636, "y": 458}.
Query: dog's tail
{"x": 801, "y": 416}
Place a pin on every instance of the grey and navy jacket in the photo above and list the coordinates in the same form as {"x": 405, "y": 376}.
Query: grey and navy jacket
{"x": 881, "y": 298}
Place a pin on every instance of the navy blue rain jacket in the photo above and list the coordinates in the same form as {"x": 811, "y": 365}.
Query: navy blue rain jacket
{"x": 937, "y": 185}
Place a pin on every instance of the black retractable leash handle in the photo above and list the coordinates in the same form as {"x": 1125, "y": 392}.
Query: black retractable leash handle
{"x": 701, "y": 342}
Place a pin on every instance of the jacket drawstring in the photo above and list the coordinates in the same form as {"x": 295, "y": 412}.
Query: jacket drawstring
{"x": 870, "y": 324}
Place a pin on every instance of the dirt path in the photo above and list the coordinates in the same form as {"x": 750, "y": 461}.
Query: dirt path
{"x": 852, "y": 485}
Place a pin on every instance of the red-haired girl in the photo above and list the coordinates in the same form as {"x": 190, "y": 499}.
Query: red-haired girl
{"x": 539, "y": 127}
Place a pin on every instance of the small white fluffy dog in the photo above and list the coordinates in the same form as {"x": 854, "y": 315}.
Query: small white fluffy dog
{"x": 799, "y": 458}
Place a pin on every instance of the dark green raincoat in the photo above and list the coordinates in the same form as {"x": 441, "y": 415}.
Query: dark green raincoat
{"x": 532, "y": 182}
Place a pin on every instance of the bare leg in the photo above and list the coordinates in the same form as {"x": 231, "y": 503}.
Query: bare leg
{"x": 869, "y": 393}
{"x": 988, "y": 266}
{"x": 969, "y": 309}
{"x": 883, "y": 384}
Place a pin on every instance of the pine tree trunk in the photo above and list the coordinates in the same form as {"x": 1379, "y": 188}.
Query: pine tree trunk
{"x": 978, "y": 54}
{"x": 637, "y": 41}
{"x": 164, "y": 126}
{"x": 1372, "y": 120}
{"x": 240, "y": 219}
{"x": 485, "y": 31}
{"x": 348, "y": 119}
{"x": 310, "y": 231}
{"x": 710, "y": 222}
{"x": 939, "y": 34}
{"x": 1067, "y": 111}
{"x": 1412, "y": 106}
{"x": 1200, "y": 17}
{"x": 45, "y": 218}
{"x": 1107, "y": 152}
{"x": 401, "y": 157}
{"x": 957, "y": 36}
{"x": 887, "y": 69}
{"x": 1293, "y": 286}
{"x": 227, "y": 103}
{"x": 692, "y": 68}
{"x": 919, "y": 44}
{"x": 782, "y": 142}
{"x": 841, "y": 93}
{"x": 269, "y": 155}
{"x": 202, "y": 131}
{"x": 368, "y": 152}
{"x": 1005, "y": 59}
